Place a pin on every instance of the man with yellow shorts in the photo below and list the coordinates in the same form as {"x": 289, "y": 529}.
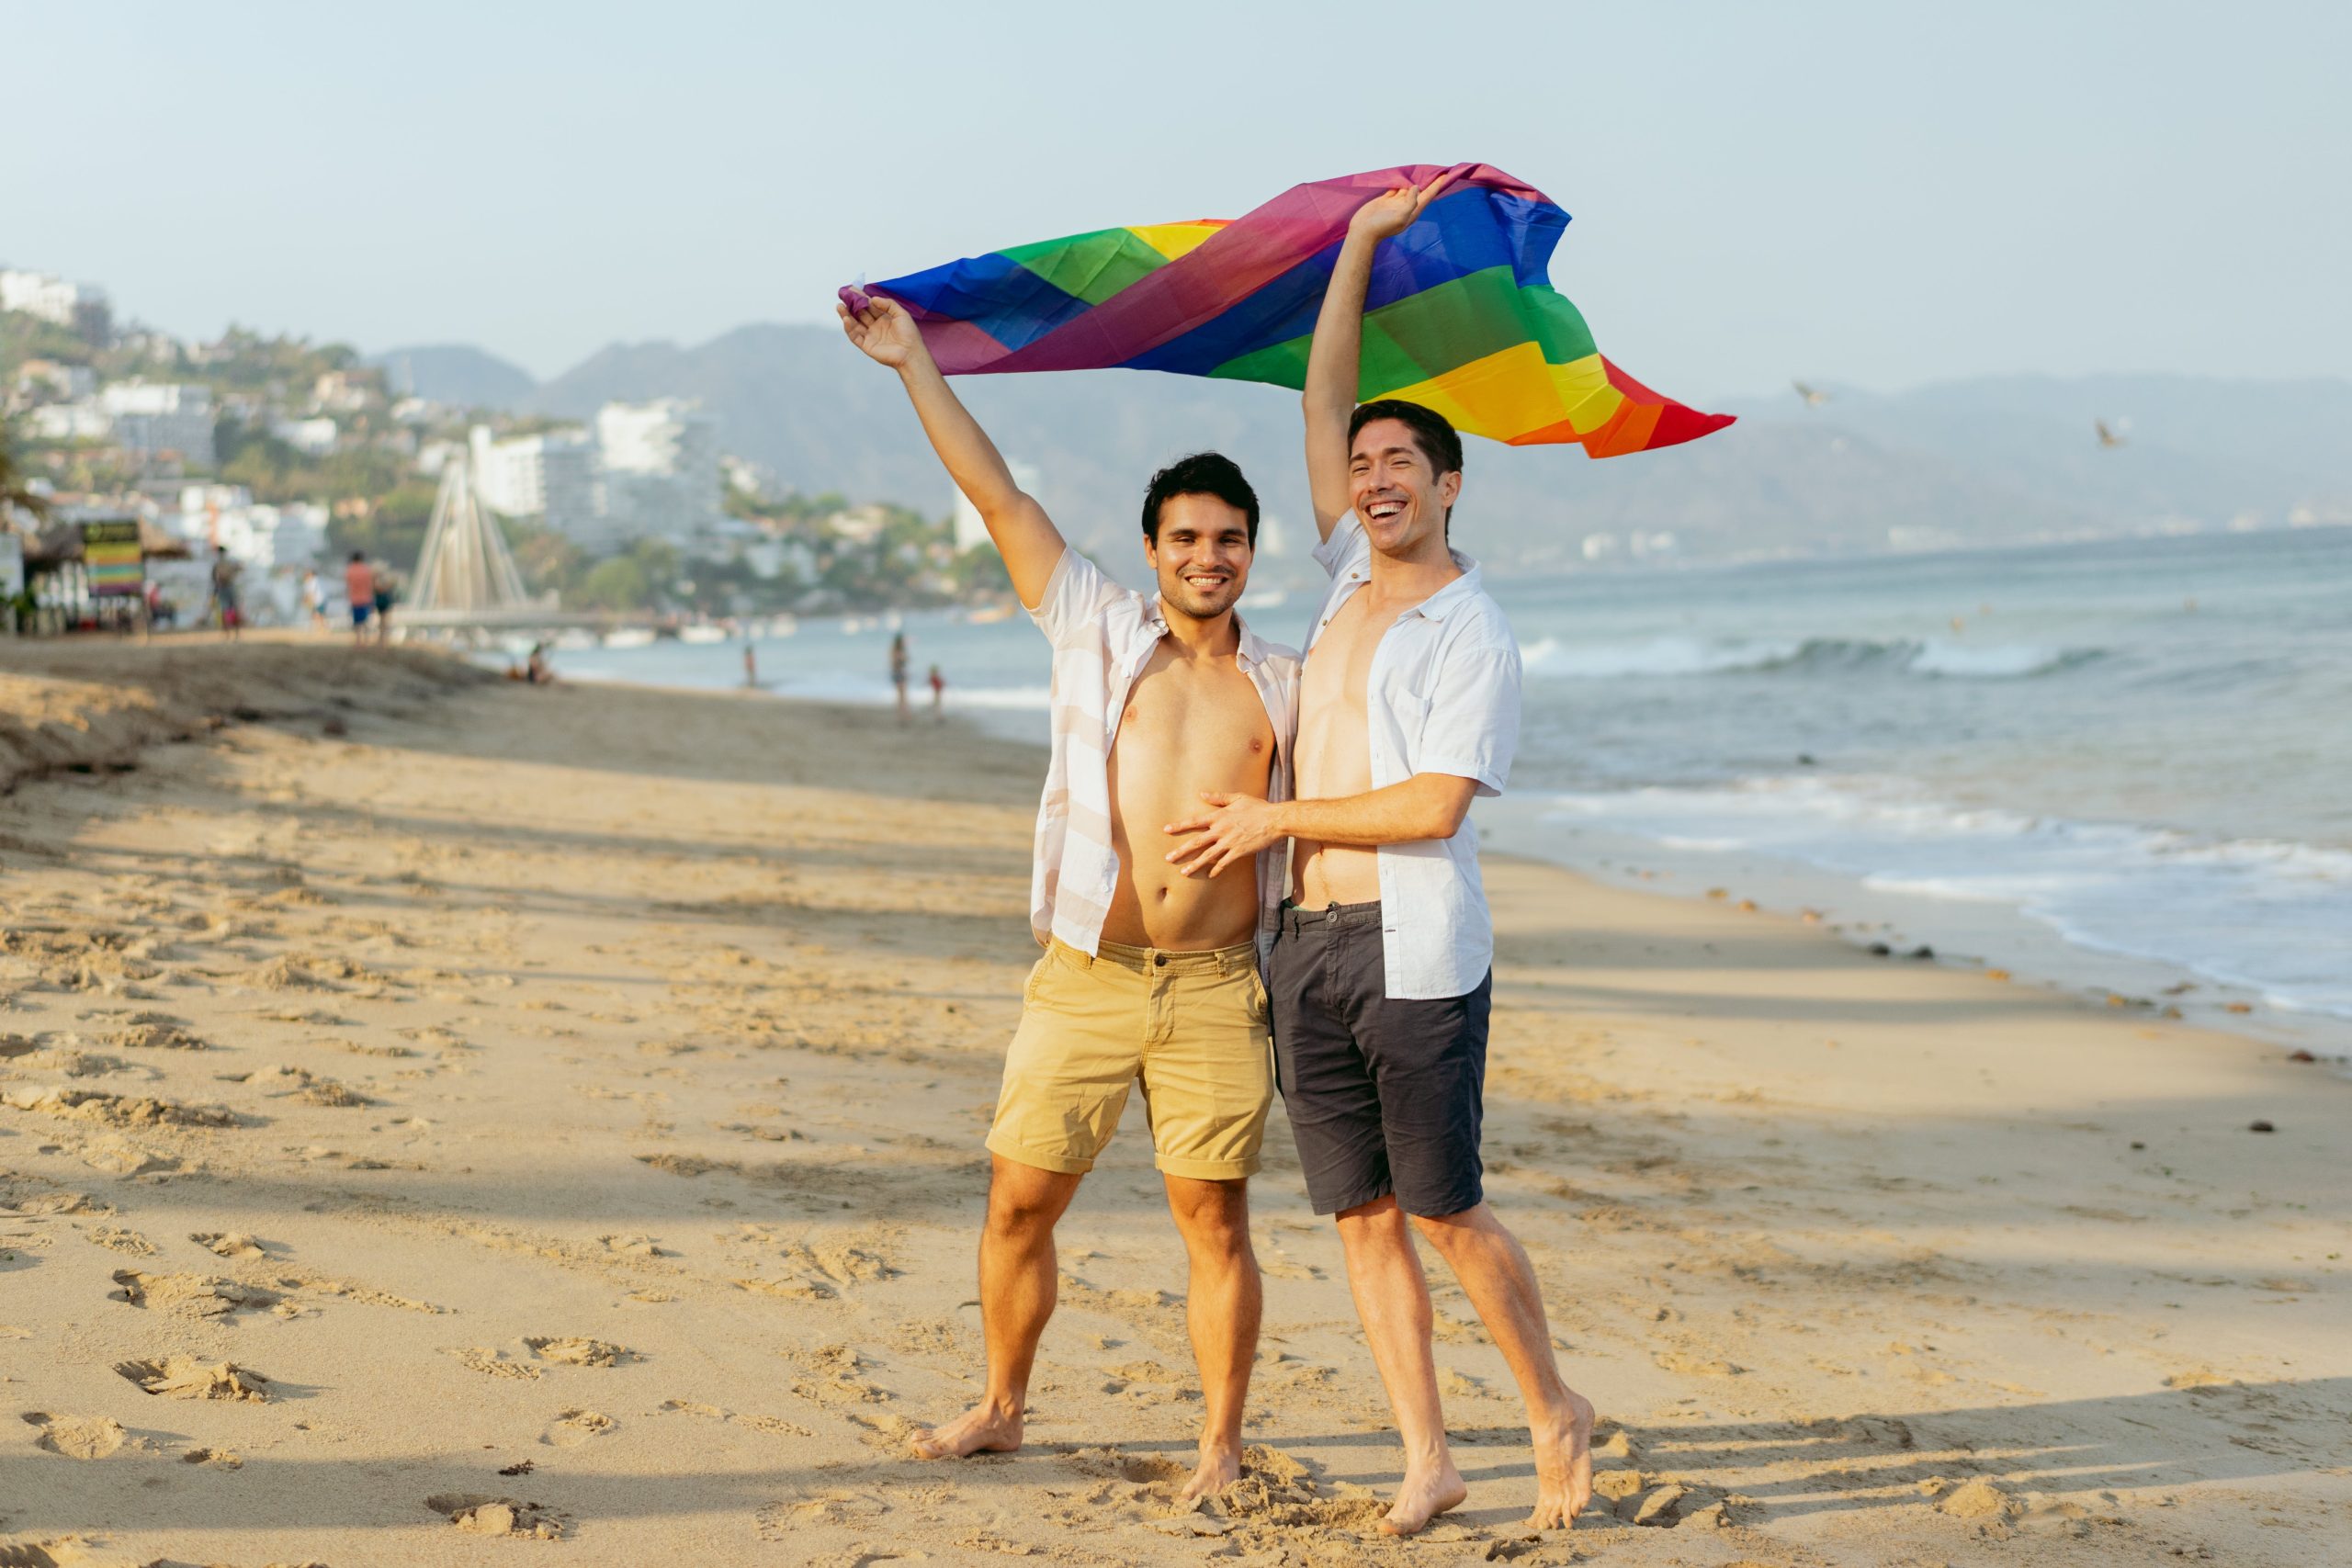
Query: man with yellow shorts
{"x": 1161, "y": 701}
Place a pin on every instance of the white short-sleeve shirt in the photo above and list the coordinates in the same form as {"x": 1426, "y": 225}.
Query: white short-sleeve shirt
{"x": 1442, "y": 698}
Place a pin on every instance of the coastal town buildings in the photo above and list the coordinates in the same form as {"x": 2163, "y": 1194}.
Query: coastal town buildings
{"x": 150, "y": 418}
{"x": 659, "y": 472}
{"x": 77, "y": 306}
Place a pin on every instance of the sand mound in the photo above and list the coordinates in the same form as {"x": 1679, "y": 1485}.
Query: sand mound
{"x": 76, "y": 1437}
{"x": 185, "y": 1377}
{"x": 497, "y": 1516}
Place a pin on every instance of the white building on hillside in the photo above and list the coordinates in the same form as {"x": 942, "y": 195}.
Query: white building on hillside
{"x": 659, "y": 469}
{"x": 266, "y": 538}
{"x": 259, "y": 537}
{"x": 312, "y": 437}
{"x": 83, "y": 420}
{"x": 75, "y": 306}
{"x": 151, "y": 417}
{"x": 551, "y": 477}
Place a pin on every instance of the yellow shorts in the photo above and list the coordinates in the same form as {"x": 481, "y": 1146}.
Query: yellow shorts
{"x": 1192, "y": 1026}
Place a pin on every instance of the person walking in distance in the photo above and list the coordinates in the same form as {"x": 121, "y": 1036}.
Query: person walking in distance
{"x": 898, "y": 673}
{"x": 360, "y": 588}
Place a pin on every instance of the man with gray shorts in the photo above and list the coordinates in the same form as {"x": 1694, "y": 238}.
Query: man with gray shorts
{"x": 1381, "y": 973}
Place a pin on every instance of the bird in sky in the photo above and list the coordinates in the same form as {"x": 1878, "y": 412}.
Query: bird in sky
{"x": 1813, "y": 396}
{"x": 2114, "y": 437}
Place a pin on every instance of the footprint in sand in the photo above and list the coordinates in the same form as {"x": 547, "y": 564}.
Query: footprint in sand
{"x": 189, "y": 1295}
{"x": 76, "y": 1437}
{"x": 186, "y": 1377}
{"x": 227, "y": 1244}
{"x": 575, "y": 1351}
{"x": 573, "y": 1428}
{"x": 489, "y": 1363}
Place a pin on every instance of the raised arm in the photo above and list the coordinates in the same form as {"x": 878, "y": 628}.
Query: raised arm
{"x": 1024, "y": 536}
{"x": 1334, "y": 360}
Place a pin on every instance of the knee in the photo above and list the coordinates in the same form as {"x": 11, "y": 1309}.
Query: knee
{"x": 1215, "y": 1227}
{"x": 1451, "y": 1233}
{"x": 1017, "y": 1214}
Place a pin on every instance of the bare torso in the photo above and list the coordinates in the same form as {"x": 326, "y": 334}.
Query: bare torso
{"x": 1191, "y": 724}
{"x": 1334, "y": 753}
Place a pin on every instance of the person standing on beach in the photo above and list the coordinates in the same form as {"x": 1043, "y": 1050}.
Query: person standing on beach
{"x": 1149, "y": 976}
{"x": 898, "y": 673}
{"x": 224, "y": 595}
{"x": 359, "y": 587}
{"x": 386, "y": 595}
{"x": 938, "y": 695}
{"x": 314, "y": 599}
{"x": 1381, "y": 970}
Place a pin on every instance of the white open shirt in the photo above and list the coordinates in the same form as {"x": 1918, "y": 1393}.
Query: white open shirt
{"x": 1443, "y": 697}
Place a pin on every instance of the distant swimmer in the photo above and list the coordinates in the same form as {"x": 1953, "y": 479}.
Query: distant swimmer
{"x": 1813, "y": 396}
{"x": 2111, "y": 437}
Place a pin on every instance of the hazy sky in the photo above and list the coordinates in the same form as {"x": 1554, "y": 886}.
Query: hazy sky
{"x": 1876, "y": 193}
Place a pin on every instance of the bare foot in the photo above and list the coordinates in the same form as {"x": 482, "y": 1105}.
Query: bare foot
{"x": 1424, "y": 1495}
{"x": 1564, "y": 1467}
{"x": 1220, "y": 1468}
{"x": 981, "y": 1429}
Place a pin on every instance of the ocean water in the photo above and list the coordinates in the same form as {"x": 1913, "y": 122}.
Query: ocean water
{"x": 2137, "y": 748}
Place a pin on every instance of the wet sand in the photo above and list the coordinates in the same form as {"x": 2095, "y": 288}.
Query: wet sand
{"x": 433, "y": 1110}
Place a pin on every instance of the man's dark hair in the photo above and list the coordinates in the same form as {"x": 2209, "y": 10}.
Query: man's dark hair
{"x": 1203, "y": 473}
{"x": 1437, "y": 439}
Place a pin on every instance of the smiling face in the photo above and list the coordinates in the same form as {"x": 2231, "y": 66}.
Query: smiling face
{"x": 1396, "y": 489}
{"x": 1200, "y": 556}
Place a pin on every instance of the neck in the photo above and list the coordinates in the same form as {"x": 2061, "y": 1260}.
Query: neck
{"x": 1215, "y": 637}
{"x": 1415, "y": 571}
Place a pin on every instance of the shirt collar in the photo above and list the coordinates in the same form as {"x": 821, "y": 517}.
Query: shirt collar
{"x": 1442, "y": 603}
{"x": 1248, "y": 649}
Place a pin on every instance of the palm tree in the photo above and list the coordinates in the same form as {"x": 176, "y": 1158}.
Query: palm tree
{"x": 15, "y": 492}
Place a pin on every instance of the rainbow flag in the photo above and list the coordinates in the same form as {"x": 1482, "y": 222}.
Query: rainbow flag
{"x": 1461, "y": 316}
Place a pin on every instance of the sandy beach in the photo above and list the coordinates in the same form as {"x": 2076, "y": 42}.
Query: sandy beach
{"x": 435, "y": 1110}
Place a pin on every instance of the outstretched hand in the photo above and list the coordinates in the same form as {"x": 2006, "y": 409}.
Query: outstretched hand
{"x": 1235, "y": 828}
{"x": 1390, "y": 214}
{"x": 883, "y": 330}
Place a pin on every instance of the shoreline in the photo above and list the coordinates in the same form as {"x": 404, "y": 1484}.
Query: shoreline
{"x": 1968, "y": 935}
{"x": 600, "y": 1073}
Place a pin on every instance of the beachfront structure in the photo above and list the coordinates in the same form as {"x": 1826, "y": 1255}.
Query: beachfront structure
{"x": 466, "y": 569}
{"x": 77, "y": 306}
{"x": 659, "y": 470}
{"x": 971, "y": 531}
{"x": 148, "y": 418}
{"x": 551, "y": 477}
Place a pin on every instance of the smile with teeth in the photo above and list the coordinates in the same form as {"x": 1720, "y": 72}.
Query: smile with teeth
{"x": 1382, "y": 510}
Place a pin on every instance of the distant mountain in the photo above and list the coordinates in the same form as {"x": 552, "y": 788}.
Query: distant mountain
{"x": 456, "y": 374}
{"x": 1960, "y": 462}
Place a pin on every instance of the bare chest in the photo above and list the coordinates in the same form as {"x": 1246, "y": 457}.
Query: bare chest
{"x": 1337, "y": 672}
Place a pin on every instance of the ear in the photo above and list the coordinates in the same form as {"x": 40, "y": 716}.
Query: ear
{"x": 1151, "y": 551}
{"x": 1449, "y": 489}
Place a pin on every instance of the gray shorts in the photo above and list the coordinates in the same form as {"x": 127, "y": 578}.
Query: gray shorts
{"x": 1384, "y": 1094}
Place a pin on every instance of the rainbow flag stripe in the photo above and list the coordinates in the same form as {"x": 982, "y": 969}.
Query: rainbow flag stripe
{"x": 1461, "y": 315}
